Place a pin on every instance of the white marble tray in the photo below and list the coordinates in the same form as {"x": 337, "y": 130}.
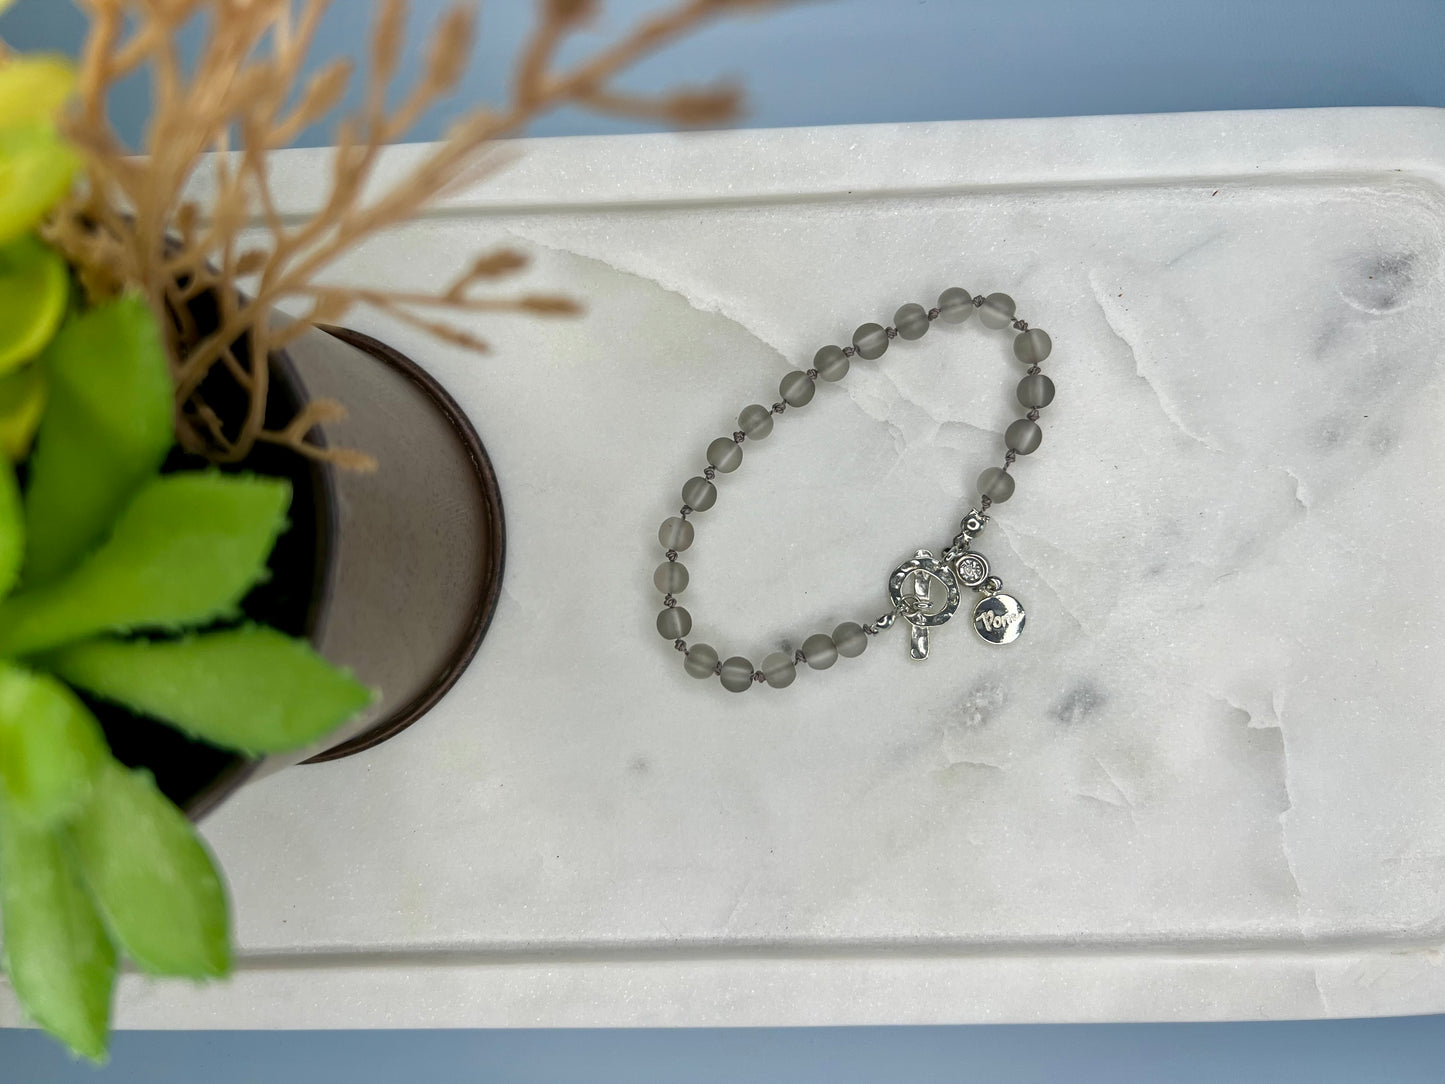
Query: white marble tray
{"x": 1209, "y": 782}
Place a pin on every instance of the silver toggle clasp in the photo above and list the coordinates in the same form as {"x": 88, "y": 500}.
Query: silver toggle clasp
{"x": 911, "y": 589}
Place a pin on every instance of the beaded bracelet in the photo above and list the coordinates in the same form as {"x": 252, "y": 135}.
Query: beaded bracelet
{"x": 924, "y": 590}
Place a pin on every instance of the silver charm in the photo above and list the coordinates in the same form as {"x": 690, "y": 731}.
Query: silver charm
{"x": 970, "y": 568}
{"x": 911, "y": 590}
{"x": 998, "y": 618}
{"x": 971, "y": 526}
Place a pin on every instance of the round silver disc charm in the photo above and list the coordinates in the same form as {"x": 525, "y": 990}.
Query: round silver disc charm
{"x": 998, "y": 618}
{"x": 970, "y": 568}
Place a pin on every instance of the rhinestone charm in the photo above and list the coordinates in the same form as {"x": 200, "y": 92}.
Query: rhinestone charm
{"x": 970, "y": 568}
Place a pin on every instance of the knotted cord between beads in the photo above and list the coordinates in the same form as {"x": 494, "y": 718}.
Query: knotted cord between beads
{"x": 831, "y": 363}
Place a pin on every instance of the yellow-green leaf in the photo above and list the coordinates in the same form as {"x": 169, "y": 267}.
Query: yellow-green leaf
{"x": 22, "y": 403}
{"x": 184, "y": 552}
{"x": 252, "y": 688}
{"x": 105, "y": 431}
{"x": 152, "y": 878}
{"x": 57, "y": 954}
{"x": 33, "y": 87}
{"x": 36, "y": 167}
{"x": 51, "y": 747}
{"x": 34, "y": 289}
{"x": 12, "y": 528}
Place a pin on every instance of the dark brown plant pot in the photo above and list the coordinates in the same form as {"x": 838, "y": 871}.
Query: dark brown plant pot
{"x": 394, "y": 574}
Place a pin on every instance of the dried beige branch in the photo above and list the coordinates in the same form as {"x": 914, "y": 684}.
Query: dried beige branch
{"x": 542, "y": 304}
{"x": 682, "y": 108}
{"x": 244, "y": 96}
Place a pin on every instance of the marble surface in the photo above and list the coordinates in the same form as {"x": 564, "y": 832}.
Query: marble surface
{"x": 1206, "y": 783}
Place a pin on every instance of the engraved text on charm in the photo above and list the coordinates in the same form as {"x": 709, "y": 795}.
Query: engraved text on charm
{"x": 910, "y": 589}
{"x": 998, "y": 618}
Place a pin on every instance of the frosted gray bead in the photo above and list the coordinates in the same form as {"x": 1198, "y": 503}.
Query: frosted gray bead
{"x": 756, "y": 421}
{"x": 1023, "y": 436}
{"x": 911, "y": 321}
{"x": 996, "y": 484}
{"x": 831, "y": 363}
{"x": 674, "y": 623}
{"x": 797, "y": 389}
{"x": 850, "y": 639}
{"x": 701, "y": 660}
{"x": 724, "y": 454}
{"x": 1032, "y": 346}
{"x": 955, "y": 305}
{"x": 675, "y": 533}
{"x": 1036, "y": 391}
{"x": 997, "y": 310}
{"x": 779, "y": 670}
{"x": 670, "y": 577}
{"x": 699, "y": 494}
{"x": 737, "y": 674}
{"x": 820, "y": 651}
{"x": 871, "y": 341}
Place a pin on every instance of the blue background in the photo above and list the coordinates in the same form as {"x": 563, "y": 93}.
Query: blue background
{"x": 843, "y": 62}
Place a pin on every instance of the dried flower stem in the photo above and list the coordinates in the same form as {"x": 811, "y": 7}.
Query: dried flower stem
{"x": 132, "y": 225}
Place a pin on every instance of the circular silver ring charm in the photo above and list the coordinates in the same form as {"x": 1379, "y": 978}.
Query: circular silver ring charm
{"x": 998, "y": 618}
{"x": 970, "y": 568}
{"x": 926, "y": 567}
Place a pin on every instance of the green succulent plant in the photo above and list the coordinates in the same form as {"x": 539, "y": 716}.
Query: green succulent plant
{"x": 125, "y": 584}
